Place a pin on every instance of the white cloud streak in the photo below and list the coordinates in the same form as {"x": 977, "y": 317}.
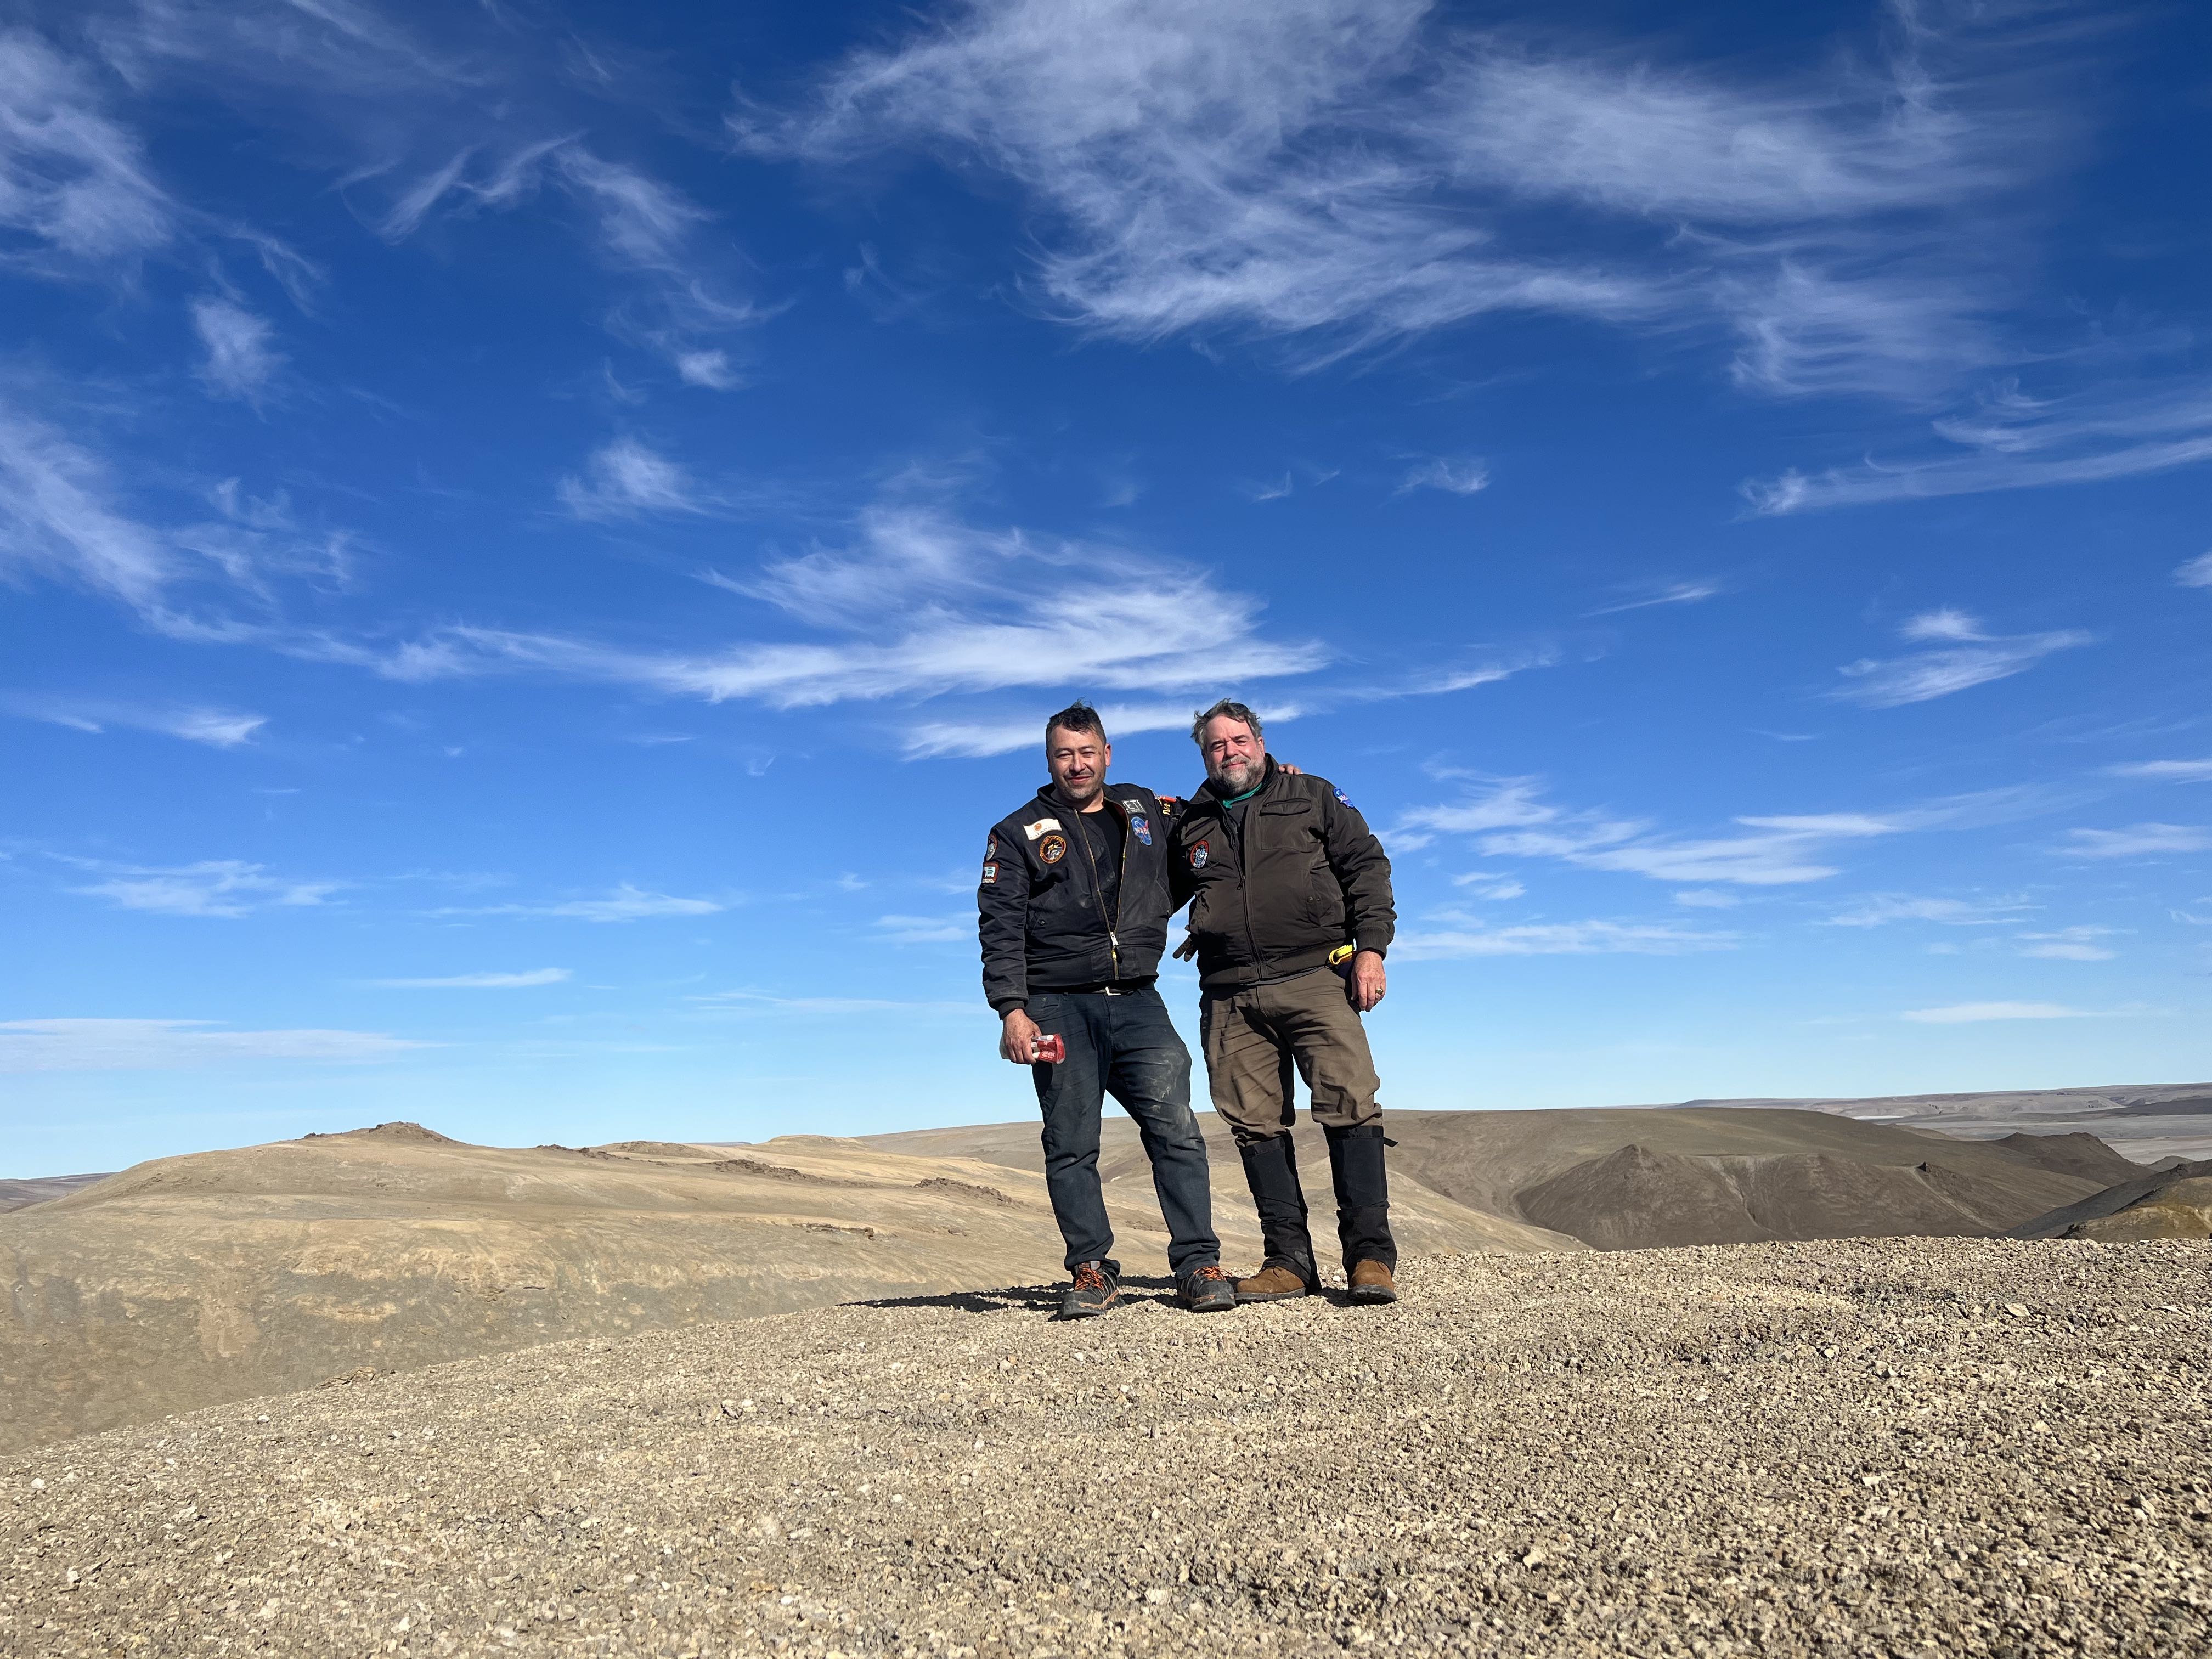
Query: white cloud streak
{"x": 2017, "y": 442}
{"x": 218, "y": 728}
{"x": 1884, "y": 907}
{"x": 625, "y": 479}
{"x": 1354, "y": 170}
{"x": 227, "y": 888}
{"x": 491, "y": 981}
{"x": 624, "y": 904}
{"x": 1465, "y": 477}
{"x": 925, "y": 606}
{"x": 1559, "y": 939}
{"x": 1691, "y": 593}
{"x": 2069, "y": 945}
{"x": 2170, "y": 771}
{"x": 926, "y": 930}
{"x": 2137, "y": 840}
{"x": 162, "y": 1045}
{"x": 2197, "y": 572}
{"x": 1968, "y": 1013}
{"x": 240, "y": 362}
{"x": 1967, "y": 657}
{"x": 75, "y": 195}
{"x": 1510, "y": 819}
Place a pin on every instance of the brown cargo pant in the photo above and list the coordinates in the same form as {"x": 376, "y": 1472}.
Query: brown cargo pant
{"x": 1253, "y": 1038}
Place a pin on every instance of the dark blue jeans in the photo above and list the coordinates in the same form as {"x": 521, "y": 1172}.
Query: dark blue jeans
{"x": 1124, "y": 1046}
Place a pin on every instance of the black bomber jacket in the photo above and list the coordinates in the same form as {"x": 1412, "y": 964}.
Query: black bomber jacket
{"x": 1306, "y": 878}
{"x": 1037, "y": 908}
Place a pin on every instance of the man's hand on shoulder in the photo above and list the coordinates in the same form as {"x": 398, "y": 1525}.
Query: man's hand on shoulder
{"x": 1366, "y": 985}
{"x": 1017, "y": 1038}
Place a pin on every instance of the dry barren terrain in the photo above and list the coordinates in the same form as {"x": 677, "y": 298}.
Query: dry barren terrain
{"x": 224, "y": 1275}
{"x": 1844, "y": 1449}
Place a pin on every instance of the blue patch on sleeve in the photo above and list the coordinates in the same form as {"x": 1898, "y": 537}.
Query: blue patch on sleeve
{"x": 1341, "y": 796}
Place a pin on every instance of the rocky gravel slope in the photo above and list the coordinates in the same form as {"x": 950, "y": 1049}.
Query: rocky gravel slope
{"x": 1902, "y": 1446}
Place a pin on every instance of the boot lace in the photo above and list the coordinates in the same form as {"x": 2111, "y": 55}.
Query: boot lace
{"x": 1089, "y": 1276}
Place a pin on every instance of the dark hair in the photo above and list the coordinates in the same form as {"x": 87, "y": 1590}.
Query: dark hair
{"x": 1225, "y": 709}
{"x": 1078, "y": 716}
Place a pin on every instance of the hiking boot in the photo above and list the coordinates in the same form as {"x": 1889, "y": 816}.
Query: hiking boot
{"x": 1207, "y": 1289}
{"x": 1096, "y": 1290}
{"x": 1275, "y": 1283}
{"x": 1372, "y": 1281}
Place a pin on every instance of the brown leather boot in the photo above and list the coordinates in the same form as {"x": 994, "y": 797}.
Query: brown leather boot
{"x": 1272, "y": 1285}
{"x": 1371, "y": 1281}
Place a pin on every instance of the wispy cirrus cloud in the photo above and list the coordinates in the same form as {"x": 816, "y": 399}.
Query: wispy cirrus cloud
{"x": 921, "y": 604}
{"x": 162, "y": 1045}
{"x": 2137, "y": 840}
{"x": 762, "y": 1002}
{"x": 2196, "y": 572}
{"x": 1509, "y": 818}
{"x": 625, "y": 902}
{"x": 1962, "y": 654}
{"x": 76, "y": 196}
{"x": 1971, "y": 1013}
{"x": 2082, "y": 944}
{"x": 219, "y": 728}
{"x": 625, "y": 479}
{"x": 926, "y": 930}
{"x": 227, "y": 888}
{"x": 1462, "y": 477}
{"x": 488, "y": 981}
{"x": 65, "y": 518}
{"x": 2013, "y": 442}
{"x": 241, "y": 360}
{"x": 1350, "y": 171}
{"x": 1679, "y": 593}
{"x": 1558, "y": 938}
{"x": 2168, "y": 771}
{"x": 1881, "y": 908}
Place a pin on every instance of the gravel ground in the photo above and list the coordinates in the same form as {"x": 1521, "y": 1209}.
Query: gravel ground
{"x": 1908, "y": 1446}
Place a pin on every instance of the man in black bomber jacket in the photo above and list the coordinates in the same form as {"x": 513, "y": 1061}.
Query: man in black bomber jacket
{"x": 1073, "y": 910}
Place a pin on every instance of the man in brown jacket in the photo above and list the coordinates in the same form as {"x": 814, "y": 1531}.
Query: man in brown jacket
{"x": 1290, "y": 914}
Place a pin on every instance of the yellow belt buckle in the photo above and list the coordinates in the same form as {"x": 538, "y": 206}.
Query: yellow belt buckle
{"x": 1340, "y": 956}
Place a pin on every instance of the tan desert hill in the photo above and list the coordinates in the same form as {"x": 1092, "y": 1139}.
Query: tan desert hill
{"x": 1640, "y": 1177}
{"x": 1905, "y": 1447}
{"x": 2169, "y": 1203}
{"x": 2143, "y": 1121}
{"x": 21, "y": 1194}
{"x": 223, "y": 1275}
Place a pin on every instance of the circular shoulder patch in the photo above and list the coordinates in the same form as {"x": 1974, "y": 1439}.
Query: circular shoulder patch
{"x": 1053, "y": 848}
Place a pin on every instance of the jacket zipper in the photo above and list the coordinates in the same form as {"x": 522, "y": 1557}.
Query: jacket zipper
{"x": 1113, "y": 922}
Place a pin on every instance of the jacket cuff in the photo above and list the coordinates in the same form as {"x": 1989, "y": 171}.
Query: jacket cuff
{"x": 1381, "y": 947}
{"x": 1004, "y": 1006}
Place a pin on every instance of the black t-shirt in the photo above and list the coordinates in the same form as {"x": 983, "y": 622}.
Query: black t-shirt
{"x": 1104, "y": 832}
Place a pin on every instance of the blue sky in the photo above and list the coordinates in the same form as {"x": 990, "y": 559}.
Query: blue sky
{"x": 534, "y": 541}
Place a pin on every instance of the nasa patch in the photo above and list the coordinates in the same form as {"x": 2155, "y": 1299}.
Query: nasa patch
{"x": 1053, "y": 848}
{"x": 1140, "y": 829}
{"x": 1341, "y": 796}
{"x": 990, "y": 875}
{"x": 1198, "y": 856}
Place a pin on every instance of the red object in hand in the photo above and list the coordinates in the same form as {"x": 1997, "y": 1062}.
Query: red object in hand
{"x": 1051, "y": 1050}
